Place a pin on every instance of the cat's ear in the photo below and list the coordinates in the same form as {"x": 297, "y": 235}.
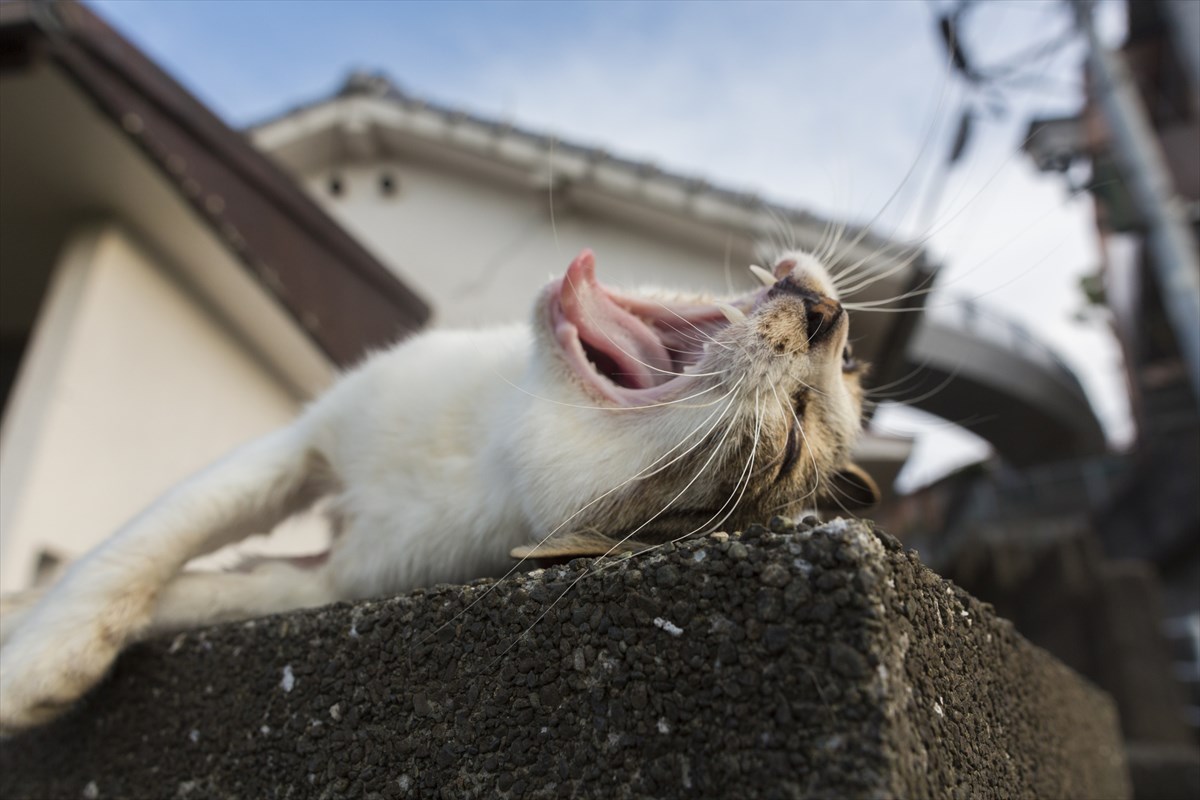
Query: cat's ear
{"x": 849, "y": 489}
{"x": 575, "y": 545}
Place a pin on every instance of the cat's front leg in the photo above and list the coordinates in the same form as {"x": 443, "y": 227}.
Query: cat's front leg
{"x": 61, "y": 649}
{"x": 66, "y": 643}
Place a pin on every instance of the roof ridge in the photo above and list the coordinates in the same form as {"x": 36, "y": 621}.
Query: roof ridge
{"x": 378, "y": 84}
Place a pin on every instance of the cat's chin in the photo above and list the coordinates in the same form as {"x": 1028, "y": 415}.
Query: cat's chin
{"x": 631, "y": 350}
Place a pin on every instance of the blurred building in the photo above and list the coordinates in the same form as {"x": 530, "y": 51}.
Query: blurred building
{"x": 172, "y": 288}
{"x": 1098, "y": 558}
{"x": 1140, "y": 134}
{"x": 1141, "y": 131}
{"x": 1151, "y": 279}
{"x": 109, "y": 162}
{"x": 475, "y": 213}
{"x": 471, "y": 211}
{"x": 168, "y": 293}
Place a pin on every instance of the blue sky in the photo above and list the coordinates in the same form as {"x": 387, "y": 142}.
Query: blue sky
{"x": 248, "y": 59}
{"x": 824, "y": 105}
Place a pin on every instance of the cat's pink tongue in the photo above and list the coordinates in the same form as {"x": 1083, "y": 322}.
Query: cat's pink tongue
{"x": 604, "y": 326}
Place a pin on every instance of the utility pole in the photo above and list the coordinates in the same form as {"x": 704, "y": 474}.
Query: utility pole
{"x": 1172, "y": 245}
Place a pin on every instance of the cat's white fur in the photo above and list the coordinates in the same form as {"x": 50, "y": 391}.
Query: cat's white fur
{"x": 438, "y": 466}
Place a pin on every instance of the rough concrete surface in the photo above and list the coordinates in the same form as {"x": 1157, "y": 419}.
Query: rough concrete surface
{"x": 822, "y": 663}
{"x": 1105, "y": 621}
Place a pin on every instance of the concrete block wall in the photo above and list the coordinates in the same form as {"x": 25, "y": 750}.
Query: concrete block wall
{"x": 796, "y": 663}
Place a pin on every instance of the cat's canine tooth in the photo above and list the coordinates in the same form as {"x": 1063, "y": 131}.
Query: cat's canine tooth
{"x": 763, "y": 275}
{"x": 731, "y": 313}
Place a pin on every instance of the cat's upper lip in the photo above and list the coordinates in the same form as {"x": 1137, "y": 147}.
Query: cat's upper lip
{"x": 629, "y": 349}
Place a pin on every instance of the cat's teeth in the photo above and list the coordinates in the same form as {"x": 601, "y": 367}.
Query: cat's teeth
{"x": 731, "y": 313}
{"x": 763, "y": 275}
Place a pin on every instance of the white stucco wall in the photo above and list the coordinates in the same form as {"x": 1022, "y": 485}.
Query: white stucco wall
{"x": 128, "y": 386}
{"x": 479, "y": 251}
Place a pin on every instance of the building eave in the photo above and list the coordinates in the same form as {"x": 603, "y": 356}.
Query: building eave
{"x": 344, "y": 300}
{"x": 371, "y": 104}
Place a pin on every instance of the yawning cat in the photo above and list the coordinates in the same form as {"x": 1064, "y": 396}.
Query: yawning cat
{"x": 628, "y": 420}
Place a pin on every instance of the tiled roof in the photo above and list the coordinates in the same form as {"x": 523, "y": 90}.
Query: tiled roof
{"x": 744, "y": 209}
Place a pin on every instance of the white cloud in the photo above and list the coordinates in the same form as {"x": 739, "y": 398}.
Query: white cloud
{"x": 833, "y": 124}
{"x": 822, "y": 105}
{"x": 745, "y": 99}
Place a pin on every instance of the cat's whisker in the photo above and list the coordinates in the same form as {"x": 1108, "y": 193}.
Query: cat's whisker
{"x": 728, "y": 264}
{"x": 775, "y": 459}
{"x": 826, "y": 252}
{"x": 769, "y": 464}
{"x": 950, "y": 303}
{"x": 870, "y": 304}
{"x": 725, "y": 345}
{"x": 660, "y": 404}
{"x": 875, "y": 391}
{"x": 906, "y": 400}
{"x": 966, "y": 423}
{"x": 785, "y": 232}
{"x": 913, "y": 401}
{"x": 708, "y": 338}
{"x": 922, "y": 150}
{"x": 904, "y": 310}
{"x": 613, "y": 549}
{"x": 713, "y": 523}
{"x": 812, "y": 457}
{"x": 650, "y": 470}
{"x": 1033, "y": 266}
{"x": 637, "y": 360}
{"x": 995, "y": 252}
{"x": 823, "y": 239}
{"x": 835, "y": 493}
{"x": 873, "y": 278}
{"x": 550, "y": 191}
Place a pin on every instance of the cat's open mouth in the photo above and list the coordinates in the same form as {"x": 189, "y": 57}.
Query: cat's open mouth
{"x": 632, "y": 350}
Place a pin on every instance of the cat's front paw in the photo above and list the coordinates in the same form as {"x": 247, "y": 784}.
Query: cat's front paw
{"x": 42, "y": 674}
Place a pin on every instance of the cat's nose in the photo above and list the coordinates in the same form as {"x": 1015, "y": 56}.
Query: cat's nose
{"x": 822, "y": 314}
{"x": 820, "y": 311}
